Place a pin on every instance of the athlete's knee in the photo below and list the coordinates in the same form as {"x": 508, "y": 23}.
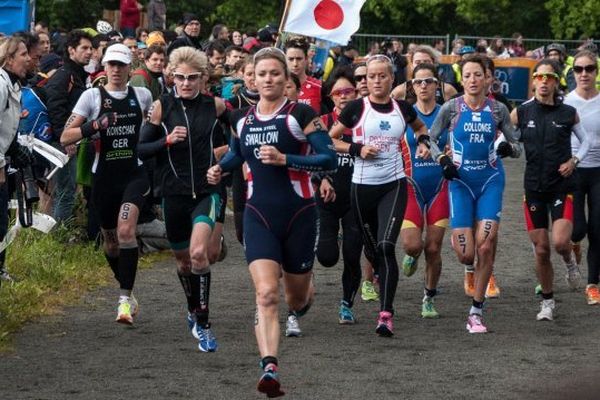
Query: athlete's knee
{"x": 267, "y": 296}
{"x": 562, "y": 245}
{"x": 199, "y": 255}
{"x": 126, "y": 233}
{"x": 485, "y": 248}
{"x": 412, "y": 247}
{"x": 432, "y": 249}
{"x": 327, "y": 256}
{"x": 386, "y": 249}
{"x": 542, "y": 251}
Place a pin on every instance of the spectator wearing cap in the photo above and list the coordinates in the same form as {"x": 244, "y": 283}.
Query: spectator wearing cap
{"x": 156, "y": 38}
{"x": 191, "y": 34}
{"x": 157, "y": 15}
{"x": 455, "y": 79}
{"x": 130, "y": 16}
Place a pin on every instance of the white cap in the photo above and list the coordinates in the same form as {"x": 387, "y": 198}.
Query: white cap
{"x": 103, "y": 27}
{"x": 117, "y": 52}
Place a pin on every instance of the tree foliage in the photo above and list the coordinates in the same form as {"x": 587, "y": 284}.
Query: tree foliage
{"x": 533, "y": 18}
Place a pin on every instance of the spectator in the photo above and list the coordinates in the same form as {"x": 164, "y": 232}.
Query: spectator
{"x": 149, "y": 75}
{"x": 497, "y": 49}
{"x": 132, "y": 44}
{"x": 141, "y": 35}
{"x": 233, "y": 54}
{"x": 516, "y": 48}
{"x": 373, "y": 49}
{"x": 190, "y": 36}
{"x": 63, "y": 90}
{"x": 157, "y": 15}
{"x": 457, "y": 44}
{"x": 44, "y": 43}
{"x": 558, "y": 53}
{"x": 439, "y": 45}
{"x": 41, "y": 27}
{"x": 393, "y": 49}
{"x": 236, "y": 38}
{"x": 156, "y": 38}
{"x": 130, "y": 16}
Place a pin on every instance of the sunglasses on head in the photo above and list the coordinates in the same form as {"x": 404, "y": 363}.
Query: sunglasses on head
{"x": 189, "y": 77}
{"x": 578, "y": 69}
{"x": 380, "y": 58}
{"x": 343, "y": 92}
{"x": 359, "y": 78}
{"x": 544, "y": 76}
{"x": 426, "y": 81}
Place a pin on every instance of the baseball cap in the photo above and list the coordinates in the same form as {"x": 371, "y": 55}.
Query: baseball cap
{"x": 49, "y": 62}
{"x": 117, "y": 52}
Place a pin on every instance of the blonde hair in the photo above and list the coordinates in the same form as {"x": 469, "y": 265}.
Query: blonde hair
{"x": 584, "y": 53}
{"x": 189, "y": 56}
{"x": 272, "y": 53}
{"x": 425, "y": 49}
{"x": 9, "y": 46}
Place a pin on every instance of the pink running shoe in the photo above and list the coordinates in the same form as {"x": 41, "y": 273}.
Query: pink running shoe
{"x": 475, "y": 324}
{"x": 385, "y": 325}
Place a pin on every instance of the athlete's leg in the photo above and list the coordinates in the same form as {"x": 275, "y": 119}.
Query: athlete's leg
{"x": 412, "y": 242}
{"x": 328, "y": 251}
{"x": 562, "y": 230}
{"x": 543, "y": 265}
{"x": 265, "y": 275}
{"x": 299, "y": 291}
{"x": 485, "y": 235}
{"x": 128, "y": 246}
{"x": 111, "y": 250}
{"x": 433, "y": 255}
{"x": 463, "y": 244}
{"x": 351, "y": 250}
{"x": 215, "y": 243}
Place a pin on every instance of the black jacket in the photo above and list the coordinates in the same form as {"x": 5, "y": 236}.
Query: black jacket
{"x": 185, "y": 40}
{"x": 62, "y": 92}
{"x": 546, "y": 136}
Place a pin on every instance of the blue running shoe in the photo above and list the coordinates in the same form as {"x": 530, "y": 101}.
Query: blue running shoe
{"x": 269, "y": 382}
{"x": 206, "y": 340}
{"x": 346, "y": 315}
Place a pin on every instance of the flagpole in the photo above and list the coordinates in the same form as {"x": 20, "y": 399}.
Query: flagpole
{"x": 286, "y": 11}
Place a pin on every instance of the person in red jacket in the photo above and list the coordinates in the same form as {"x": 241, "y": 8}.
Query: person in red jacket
{"x": 130, "y": 17}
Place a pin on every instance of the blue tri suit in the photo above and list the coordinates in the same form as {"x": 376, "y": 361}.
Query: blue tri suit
{"x": 477, "y": 194}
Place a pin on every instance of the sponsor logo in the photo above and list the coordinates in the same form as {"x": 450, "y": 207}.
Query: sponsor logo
{"x": 531, "y": 124}
{"x": 385, "y": 125}
{"x": 107, "y": 103}
{"x": 132, "y": 103}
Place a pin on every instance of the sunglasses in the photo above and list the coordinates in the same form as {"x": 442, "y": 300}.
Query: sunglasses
{"x": 544, "y": 76}
{"x": 343, "y": 92}
{"x": 426, "y": 81}
{"x": 360, "y": 78}
{"x": 189, "y": 77}
{"x": 269, "y": 50}
{"x": 578, "y": 69}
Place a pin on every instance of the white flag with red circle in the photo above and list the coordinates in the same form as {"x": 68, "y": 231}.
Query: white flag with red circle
{"x": 333, "y": 20}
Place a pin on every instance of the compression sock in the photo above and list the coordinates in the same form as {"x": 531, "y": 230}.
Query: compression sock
{"x": 477, "y": 307}
{"x": 191, "y": 288}
{"x": 113, "y": 262}
{"x": 203, "y": 297}
{"x": 128, "y": 260}
{"x": 547, "y": 296}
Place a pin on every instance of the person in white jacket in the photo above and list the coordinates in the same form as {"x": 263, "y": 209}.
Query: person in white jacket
{"x": 14, "y": 62}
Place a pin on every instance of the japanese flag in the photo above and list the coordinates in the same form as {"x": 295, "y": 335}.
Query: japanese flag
{"x": 333, "y": 20}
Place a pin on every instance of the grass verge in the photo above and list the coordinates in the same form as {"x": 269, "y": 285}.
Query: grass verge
{"x": 51, "y": 273}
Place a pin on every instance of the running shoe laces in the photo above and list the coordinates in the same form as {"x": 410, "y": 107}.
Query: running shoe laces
{"x": 206, "y": 340}
{"x": 385, "y": 324}
{"x": 546, "y": 311}
{"x": 475, "y": 324}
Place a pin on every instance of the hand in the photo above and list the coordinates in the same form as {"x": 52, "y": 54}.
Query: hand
{"x": 271, "y": 156}
{"x": 368, "y": 152}
{"x": 327, "y": 191}
{"x": 213, "y": 175}
{"x": 179, "y": 134}
{"x": 504, "y": 150}
{"x": 423, "y": 152}
{"x": 71, "y": 150}
{"x": 449, "y": 170}
{"x": 567, "y": 168}
{"x": 90, "y": 128}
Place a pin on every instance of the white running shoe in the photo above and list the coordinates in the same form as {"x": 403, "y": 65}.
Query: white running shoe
{"x": 292, "y": 327}
{"x": 547, "y": 310}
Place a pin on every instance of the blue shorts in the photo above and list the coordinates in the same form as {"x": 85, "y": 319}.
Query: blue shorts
{"x": 475, "y": 201}
{"x": 285, "y": 235}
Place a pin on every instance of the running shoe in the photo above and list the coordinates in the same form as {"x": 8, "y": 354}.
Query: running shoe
{"x": 206, "y": 340}
{"x": 124, "y": 313}
{"x": 592, "y": 294}
{"x": 368, "y": 292}
{"x": 573, "y": 276}
{"x": 346, "y": 315}
{"x": 547, "y": 309}
{"x": 492, "y": 291}
{"x": 475, "y": 324}
{"x": 191, "y": 321}
{"x": 577, "y": 252}
{"x": 135, "y": 307}
{"x": 538, "y": 289}
{"x": 469, "y": 283}
{"x": 428, "y": 309}
{"x": 292, "y": 327}
{"x": 223, "y": 252}
{"x": 409, "y": 265}
{"x": 385, "y": 325}
{"x": 5, "y": 276}
{"x": 269, "y": 382}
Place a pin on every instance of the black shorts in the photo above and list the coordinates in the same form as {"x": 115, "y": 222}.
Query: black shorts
{"x": 183, "y": 212}
{"x": 108, "y": 198}
{"x": 537, "y": 206}
{"x": 222, "y": 203}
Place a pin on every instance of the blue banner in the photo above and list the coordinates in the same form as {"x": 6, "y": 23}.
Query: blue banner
{"x": 513, "y": 82}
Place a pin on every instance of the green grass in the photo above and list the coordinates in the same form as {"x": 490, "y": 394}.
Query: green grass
{"x": 52, "y": 272}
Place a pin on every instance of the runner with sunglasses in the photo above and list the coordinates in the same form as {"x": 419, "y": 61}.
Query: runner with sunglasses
{"x": 546, "y": 124}
{"x": 360, "y": 77}
{"x": 378, "y": 191}
{"x": 333, "y": 210}
{"x": 473, "y": 121}
{"x": 112, "y": 116}
{"x": 427, "y": 194}
{"x": 443, "y": 91}
{"x": 586, "y": 99}
{"x": 282, "y": 142}
{"x": 180, "y": 135}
